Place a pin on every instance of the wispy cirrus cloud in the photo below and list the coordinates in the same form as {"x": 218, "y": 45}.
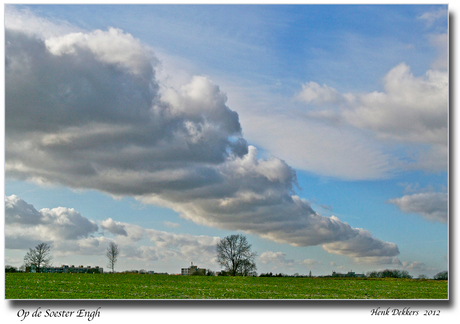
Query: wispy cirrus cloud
{"x": 320, "y": 148}
{"x": 410, "y": 111}
{"x": 430, "y": 17}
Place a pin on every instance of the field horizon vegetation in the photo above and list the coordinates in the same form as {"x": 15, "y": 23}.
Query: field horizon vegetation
{"x": 142, "y": 286}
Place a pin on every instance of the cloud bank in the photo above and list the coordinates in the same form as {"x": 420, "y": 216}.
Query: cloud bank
{"x": 70, "y": 233}
{"x": 84, "y": 110}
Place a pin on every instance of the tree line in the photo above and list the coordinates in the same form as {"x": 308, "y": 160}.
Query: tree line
{"x": 395, "y": 273}
{"x": 234, "y": 254}
{"x": 387, "y": 273}
{"x": 40, "y": 257}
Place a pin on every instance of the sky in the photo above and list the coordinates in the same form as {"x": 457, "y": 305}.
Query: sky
{"x": 318, "y": 131}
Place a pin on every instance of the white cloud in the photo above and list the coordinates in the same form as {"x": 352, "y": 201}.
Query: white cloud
{"x": 111, "y": 47}
{"x": 266, "y": 208}
{"x": 363, "y": 245}
{"x": 94, "y": 123}
{"x": 146, "y": 244}
{"x": 113, "y": 227}
{"x": 431, "y": 17}
{"x": 26, "y": 21}
{"x": 274, "y": 257}
{"x": 379, "y": 260}
{"x": 429, "y": 159}
{"x": 323, "y": 149}
{"x": 24, "y": 224}
{"x": 19, "y": 212}
{"x": 282, "y": 128}
{"x": 411, "y": 111}
{"x": 71, "y": 234}
{"x": 279, "y": 259}
{"x": 440, "y": 42}
{"x": 430, "y": 205}
{"x": 314, "y": 93}
{"x": 171, "y": 224}
{"x": 415, "y": 265}
{"x": 310, "y": 262}
{"x": 88, "y": 246}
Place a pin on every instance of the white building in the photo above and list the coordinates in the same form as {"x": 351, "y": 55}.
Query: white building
{"x": 193, "y": 270}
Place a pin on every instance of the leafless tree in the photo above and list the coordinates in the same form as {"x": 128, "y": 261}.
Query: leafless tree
{"x": 235, "y": 255}
{"x": 248, "y": 268}
{"x": 39, "y": 257}
{"x": 112, "y": 255}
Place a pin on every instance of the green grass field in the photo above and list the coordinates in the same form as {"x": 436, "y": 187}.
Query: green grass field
{"x": 135, "y": 286}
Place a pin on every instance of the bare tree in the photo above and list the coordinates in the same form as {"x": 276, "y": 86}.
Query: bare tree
{"x": 39, "y": 257}
{"x": 235, "y": 255}
{"x": 112, "y": 254}
{"x": 248, "y": 268}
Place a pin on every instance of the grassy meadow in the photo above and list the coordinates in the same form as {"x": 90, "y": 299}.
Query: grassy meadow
{"x": 137, "y": 286}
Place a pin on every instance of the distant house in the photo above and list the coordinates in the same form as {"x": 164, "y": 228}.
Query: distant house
{"x": 130, "y": 271}
{"x": 66, "y": 269}
{"x": 81, "y": 269}
{"x": 193, "y": 270}
{"x": 349, "y": 274}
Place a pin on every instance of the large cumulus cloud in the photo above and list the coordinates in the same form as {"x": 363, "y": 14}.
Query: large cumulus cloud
{"x": 84, "y": 110}
{"x": 94, "y": 120}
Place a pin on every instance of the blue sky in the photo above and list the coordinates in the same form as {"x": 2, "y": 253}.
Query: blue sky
{"x": 318, "y": 131}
